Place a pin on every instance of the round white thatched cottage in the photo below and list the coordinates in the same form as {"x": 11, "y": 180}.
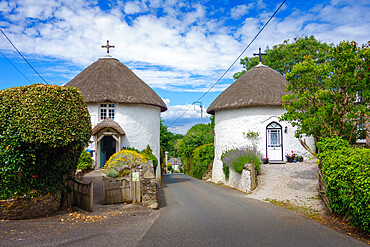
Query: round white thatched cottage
{"x": 125, "y": 111}
{"x": 253, "y": 104}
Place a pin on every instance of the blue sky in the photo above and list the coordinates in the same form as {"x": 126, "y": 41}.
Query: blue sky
{"x": 179, "y": 48}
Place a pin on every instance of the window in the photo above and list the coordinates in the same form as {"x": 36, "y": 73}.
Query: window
{"x": 361, "y": 131}
{"x": 106, "y": 111}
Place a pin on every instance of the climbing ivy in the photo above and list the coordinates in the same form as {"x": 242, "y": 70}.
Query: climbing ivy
{"x": 43, "y": 130}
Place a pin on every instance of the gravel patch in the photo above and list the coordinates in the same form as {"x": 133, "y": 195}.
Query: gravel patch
{"x": 296, "y": 183}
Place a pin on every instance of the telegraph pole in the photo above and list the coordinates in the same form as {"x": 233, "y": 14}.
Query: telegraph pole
{"x": 201, "y": 110}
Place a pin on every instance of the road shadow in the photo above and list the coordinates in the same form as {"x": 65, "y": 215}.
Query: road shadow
{"x": 169, "y": 179}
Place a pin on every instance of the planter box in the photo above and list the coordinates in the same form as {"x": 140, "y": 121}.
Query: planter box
{"x": 289, "y": 159}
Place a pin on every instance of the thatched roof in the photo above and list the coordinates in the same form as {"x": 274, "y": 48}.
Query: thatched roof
{"x": 259, "y": 86}
{"x": 108, "y": 80}
{"x": 108, "y": 123}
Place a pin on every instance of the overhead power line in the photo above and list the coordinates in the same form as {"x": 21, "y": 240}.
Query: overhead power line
{"x": 15, "y": 67}
{"x": 22, "y": 56}
{"x": 222, "y": 76}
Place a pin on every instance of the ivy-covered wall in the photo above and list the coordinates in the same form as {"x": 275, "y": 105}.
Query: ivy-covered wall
{"x": 43, "y": 130}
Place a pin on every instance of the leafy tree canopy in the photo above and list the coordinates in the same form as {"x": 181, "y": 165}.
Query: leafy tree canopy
{"x": 284, "y": 56}
{"x": 330, "y": 98}
{"x": 168, "y": 141}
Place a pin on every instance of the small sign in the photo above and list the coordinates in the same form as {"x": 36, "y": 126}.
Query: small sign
{"x": 135, "y": 176}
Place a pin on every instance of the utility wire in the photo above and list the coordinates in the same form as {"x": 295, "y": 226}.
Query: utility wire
{"x": 15, "y": 67}
{"x": 214, "y": 84}
{"x": 22, "y": 56}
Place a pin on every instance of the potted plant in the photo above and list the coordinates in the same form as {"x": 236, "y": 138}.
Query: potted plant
{"x": 265, "y": 160}
{"x": 300, "y": 158}
{"x": 289, "y": 158}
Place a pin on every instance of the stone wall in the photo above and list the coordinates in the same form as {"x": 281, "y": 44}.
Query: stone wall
{"x": 22, "y": 208}
{"x": 149, "y": 187}
{"x": 246, "y": 181}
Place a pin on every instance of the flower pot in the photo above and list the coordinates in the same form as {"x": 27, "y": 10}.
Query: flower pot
{"x": 289, "y": 159}
{"x": 300, "y": 159}
{"x": 265, "y": 160}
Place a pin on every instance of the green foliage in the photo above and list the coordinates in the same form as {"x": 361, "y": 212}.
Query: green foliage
{"x": 43, "y": 130}
{"x": 147, "y": 153}
{"x": 236, "y": 158}
{"x": 202, "y": 159}
{"x": 284, "y": 56}
{"x": 121, "y": 163}
{"x": 85, "y": 161}
{"x": 198, "y": 135}
{"x": 325, "y": 100}
{"x": 346, "y": 171}
{"x": 226, "y": 170}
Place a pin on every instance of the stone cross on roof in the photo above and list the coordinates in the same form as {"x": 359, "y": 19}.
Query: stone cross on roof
{"x": 107, "y": 46}
{"x": 259, "y": 54}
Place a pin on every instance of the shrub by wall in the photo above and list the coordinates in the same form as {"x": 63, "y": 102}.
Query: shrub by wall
{"x": 43, "y": 130}
{"x": 85, "y": 161}
{"x": 202, "y": 158}
{"x": 346, "y": 171}
{"x": 121, "y": 163}
{"x": 236, "y": 158}
{"x": 147, "y": 153}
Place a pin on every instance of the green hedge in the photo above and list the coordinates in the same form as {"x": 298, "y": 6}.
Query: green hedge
{"x": 346, "y": 171}
{"x": 43, "y": 130}
{"x": 202, "y": 158}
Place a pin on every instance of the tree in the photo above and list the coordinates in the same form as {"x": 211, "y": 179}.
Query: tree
{"x": 331, "y": 98}
{"x": 284, "y": 56}
{"x": 168, "y": 142}
{"x": 198, "y": 135}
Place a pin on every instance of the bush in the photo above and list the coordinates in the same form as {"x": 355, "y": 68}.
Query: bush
{"x": 147, "y": 153}
{"x": 346, "y": 171}
{"x": 121, "y": 163}
{"x": 202, "y": 159}
{"x": 169, "y": 167}
{"x": 85, "y": 162}
{"x": 198, "y": 135}
{"x": 43, "y": 130}
{"x": 236, "y": 158}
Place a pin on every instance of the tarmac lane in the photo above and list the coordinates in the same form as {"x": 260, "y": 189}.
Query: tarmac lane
{"x": 198, "y": 213}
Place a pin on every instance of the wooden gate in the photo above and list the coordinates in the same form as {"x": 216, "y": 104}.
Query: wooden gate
{"x": 81, "y": 194}
{"x": 126, "y": 189}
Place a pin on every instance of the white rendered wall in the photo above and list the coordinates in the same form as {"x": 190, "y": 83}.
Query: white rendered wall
{"x": 230, "y": 125}
{"x": 141, "y": 124}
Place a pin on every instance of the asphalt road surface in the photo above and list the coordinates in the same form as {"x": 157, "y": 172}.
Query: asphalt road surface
{"x": 197, "y": 213}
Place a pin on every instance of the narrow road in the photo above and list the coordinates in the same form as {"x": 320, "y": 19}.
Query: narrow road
{"x": 197, "y": 213}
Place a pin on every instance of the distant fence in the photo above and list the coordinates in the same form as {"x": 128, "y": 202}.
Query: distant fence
{"x": 80, "y": 194}
{"x": 125, "y": 189}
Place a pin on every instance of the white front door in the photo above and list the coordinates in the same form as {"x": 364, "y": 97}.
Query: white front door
{"x": 274, "y": 142}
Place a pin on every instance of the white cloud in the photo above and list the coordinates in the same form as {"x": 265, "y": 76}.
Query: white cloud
{"x": 187, "y": 111}
{"x": 134, "y": 8}
{"x": 241, "y": 10}
{"x": 184, "y": 48}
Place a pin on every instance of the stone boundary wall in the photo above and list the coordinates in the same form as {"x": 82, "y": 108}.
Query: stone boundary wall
{"x": 246, "y": 181}
{"x": 149, "y": 187}
{"x": 23, "y": 208}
